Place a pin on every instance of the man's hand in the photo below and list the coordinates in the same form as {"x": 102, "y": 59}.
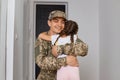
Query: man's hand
{"x": 72, "y": 61}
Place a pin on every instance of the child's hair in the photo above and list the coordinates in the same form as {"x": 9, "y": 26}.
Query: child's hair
{"x": 71, "y": 28}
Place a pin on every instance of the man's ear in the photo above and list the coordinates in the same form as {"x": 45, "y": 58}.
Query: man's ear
{"x": 49, "y": 23}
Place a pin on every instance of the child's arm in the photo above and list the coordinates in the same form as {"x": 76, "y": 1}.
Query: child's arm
{"x": 45, "y": 36}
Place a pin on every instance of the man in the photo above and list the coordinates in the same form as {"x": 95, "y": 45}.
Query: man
{"x": 45, "y": 60}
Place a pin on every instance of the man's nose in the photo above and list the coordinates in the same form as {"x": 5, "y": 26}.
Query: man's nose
{"x": 59, "y": 24}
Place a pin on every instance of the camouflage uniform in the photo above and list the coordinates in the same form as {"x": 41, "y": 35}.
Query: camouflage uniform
{"x": 49, "y": 64}
{"x": 79, "y": 48}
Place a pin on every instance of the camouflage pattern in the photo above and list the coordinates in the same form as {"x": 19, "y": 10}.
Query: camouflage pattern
{"x": 56, "y": 13}
{"x": 79, "y": 48}
{"x": 46, "y": 61}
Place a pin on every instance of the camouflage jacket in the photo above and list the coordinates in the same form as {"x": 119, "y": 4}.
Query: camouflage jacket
{"x": 46, "y": 61}
{"x": 79, "y": 48}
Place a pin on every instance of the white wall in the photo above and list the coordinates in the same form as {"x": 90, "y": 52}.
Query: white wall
{"x": 109, "y": 39}
{"x": 3, "y": 22}
{"x": 18, "y": 43}
{"x": 85, "y": 12}
{"x": 10, "y": 39}
{"x": 26, "y": 42}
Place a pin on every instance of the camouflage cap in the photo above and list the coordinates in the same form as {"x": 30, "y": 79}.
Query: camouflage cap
{"x": 57, "y": 13}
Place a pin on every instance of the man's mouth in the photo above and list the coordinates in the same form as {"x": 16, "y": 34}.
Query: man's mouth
{"x": 58, "y": 28}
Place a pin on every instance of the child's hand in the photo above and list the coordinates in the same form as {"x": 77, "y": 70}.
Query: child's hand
{"x": 54, "y": 51}
{"x": 41, "y": 36}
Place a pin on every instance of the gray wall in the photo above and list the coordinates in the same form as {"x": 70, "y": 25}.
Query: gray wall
{"x": 109, "y": 25}
{"x": 3, "y": 9}
{"x": 18, "y": 43}
{"x": 85, "y": 12}
{"x": 0, "y": 14}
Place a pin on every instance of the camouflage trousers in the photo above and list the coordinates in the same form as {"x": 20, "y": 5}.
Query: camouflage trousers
{"x": 47, "y": 75}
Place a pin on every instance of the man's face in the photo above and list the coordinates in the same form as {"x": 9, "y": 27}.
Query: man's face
{"x": 56, "y": 25}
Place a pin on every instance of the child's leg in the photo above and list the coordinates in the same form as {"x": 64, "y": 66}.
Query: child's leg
{"x": 62, "y": 74}
{"x": 74, "y": 73}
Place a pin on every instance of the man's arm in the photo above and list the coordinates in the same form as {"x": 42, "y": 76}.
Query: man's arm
{"x": 48, "y": 62}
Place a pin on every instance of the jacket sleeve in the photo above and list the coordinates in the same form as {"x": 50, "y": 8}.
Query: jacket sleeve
{"x": 48, "y": 62}
{"x": 80, "y": 48}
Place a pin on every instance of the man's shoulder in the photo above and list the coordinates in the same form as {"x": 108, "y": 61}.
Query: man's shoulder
{"x": 44, "y": 32}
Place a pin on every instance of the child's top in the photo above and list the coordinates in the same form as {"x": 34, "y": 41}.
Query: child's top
{"x": 62, "y": 41}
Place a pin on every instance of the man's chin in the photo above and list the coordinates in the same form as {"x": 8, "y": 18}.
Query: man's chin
{"x": 58, "y": 31}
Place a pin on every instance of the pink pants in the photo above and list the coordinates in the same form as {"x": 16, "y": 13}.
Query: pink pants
{"x": 68, "y": 73}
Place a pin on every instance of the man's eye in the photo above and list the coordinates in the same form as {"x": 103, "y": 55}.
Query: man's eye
{"x": 55, "y": 20}
{"x": 63, "y": 22}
